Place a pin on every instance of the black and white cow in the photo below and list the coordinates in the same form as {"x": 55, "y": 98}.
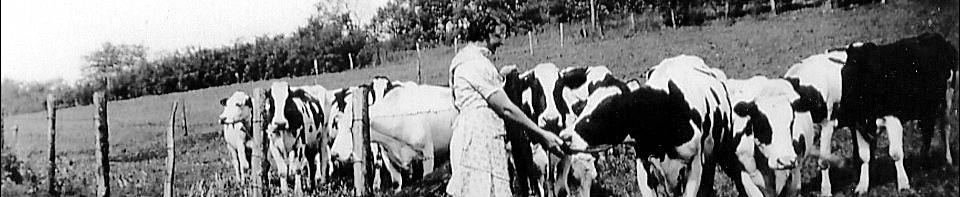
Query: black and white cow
{"x": 235, "y": 120}
{"x": 886, "y": 84}
{"x": 765, "y": 128}
{"x": 817, "y": 80}
{"x": 674, "y": 118}
{"x": 297, "y": 116}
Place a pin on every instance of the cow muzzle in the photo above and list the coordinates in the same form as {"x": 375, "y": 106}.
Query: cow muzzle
{"x": 550, "y": 123}
{"x": 784, "y": 162}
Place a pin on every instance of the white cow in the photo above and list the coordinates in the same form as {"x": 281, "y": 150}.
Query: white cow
{"x": 235, "y": 120}
{"x": 408, "y": 121}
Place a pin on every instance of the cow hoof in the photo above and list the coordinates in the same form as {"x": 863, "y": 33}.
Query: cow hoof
{"x": 907, "y": 192}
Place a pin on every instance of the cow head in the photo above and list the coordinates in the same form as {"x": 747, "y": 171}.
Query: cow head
{"x": 764, "y": 114}
{"x": 341, "y": 124}
{"x": 603, "y": 119}
{"x": 379, "y": 87}
{"x": 579, "y": 82}
{"x": 236, "y": 108}
{"x": 539, "y": 94}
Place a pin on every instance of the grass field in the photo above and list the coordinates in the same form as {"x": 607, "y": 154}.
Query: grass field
{"x": 742, "y": 47}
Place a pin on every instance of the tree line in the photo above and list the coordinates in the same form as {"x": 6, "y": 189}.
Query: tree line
{"x": 331, "y": 39}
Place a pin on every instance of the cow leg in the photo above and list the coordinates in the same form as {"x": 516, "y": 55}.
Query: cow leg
{"x": 863, "y": 150}
{"x": 642, "y": 179}
{"x": 895, "y": 135}
{"x": 542, "y": 161}
{"x": 945, "y": 137}
{"x": 282, "y": 167}
{"x": 394, "y": 173}
{"x": 826, "y": 136}
{"x": 694, "y": 176}
{"x": 241, "y": 162}
{"x": 428, "y": 158}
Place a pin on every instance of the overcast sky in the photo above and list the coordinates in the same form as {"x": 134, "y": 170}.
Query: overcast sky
{"x": 46, "y": 39}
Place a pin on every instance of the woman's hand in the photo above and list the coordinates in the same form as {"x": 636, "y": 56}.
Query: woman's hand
{"x": 551, "y": 142}
{"x": 501, "y": 104}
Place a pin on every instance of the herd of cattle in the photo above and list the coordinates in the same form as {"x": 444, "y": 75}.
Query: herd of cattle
{"x": 683, "y": 120}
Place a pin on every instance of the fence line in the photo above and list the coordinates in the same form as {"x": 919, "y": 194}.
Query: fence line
{"x": 103, "y": 143}
{"x": 52, "y": 171}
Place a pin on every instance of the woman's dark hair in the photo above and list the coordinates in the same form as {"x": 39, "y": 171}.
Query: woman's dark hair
{"x": 480, "y": 29}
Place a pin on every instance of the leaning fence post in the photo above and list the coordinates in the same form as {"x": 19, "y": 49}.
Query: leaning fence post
{"x": 362, "y": 177}
{"x": 52, "y": 171}
{"x": 258, "y": 183}
{"x": 103, "y": 143}
{"x": 183, "y": 117}
{"x": 168, "y": 185}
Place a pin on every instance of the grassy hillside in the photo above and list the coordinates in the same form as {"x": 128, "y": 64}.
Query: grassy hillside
{"x": 742, "y": 47}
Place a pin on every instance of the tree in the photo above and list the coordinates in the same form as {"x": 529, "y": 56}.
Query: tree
{"x": 111, "y": 59}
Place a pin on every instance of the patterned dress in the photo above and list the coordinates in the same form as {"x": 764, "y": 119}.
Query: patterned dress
{"x": 478, "y": 156}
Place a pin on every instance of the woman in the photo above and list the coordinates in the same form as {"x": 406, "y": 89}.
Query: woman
{"x": 478, "y": 156}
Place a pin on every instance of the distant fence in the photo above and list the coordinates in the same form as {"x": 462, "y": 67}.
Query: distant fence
{"x": 258, "y": 183}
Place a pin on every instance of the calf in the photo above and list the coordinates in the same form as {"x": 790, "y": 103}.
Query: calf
{"x": 764, "y": 121}
{"x": 235, "y": 120}
{"x": 674, "y": 118}
{"x": 885, "y": 84}
{"x": 297, "y": 116}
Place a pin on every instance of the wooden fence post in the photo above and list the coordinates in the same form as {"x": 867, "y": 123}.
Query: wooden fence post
{"x": 2, "y": 133}
{"x": 52, "y": 171}
{"x": 350, "y": 57}
{"x": 561, "y": 34}
{"x": 103, "y": 143}
{"x": 362, "y": 177}
{"x": 773, "y": 7}
{"x": 258, "y": 167}
{"x": 530, "y": 41}
{"x": 419, "y": 78}
{"x": 183, "y": 117}
{"x": 168, "y": 185}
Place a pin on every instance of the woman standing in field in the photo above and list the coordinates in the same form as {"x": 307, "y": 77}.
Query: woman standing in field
{"x": 478, "y": 156}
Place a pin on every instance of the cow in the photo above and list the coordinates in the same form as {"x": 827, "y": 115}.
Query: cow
{"x": 409, "y": 121}
{"x": 766, "y": 128}
{"x": 297, "y": 116}
{"x": 673, "y": 117}
{"x": 235, "y": 120}
{"x": 884, "y": 85}
{"x": 817, "y": 80}
{"x": 546, "y": 94}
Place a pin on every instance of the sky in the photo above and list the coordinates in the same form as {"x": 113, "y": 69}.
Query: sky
{"x": 47, "y": 39}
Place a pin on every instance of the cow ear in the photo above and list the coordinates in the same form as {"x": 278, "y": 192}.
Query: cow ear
{"x": 223, "y": 102}
{"x": 745, "y": 108}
